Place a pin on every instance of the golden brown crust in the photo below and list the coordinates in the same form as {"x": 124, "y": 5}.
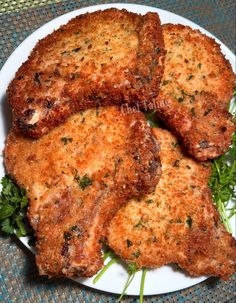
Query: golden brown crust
{"x": 102, "y": 58}
{"x": 116, "y": 152}
{"x": 203, "y": 125}
{"x": 196, "y": 63}
{"x": 178, "y": 223}
{"x": 195, "y": 92}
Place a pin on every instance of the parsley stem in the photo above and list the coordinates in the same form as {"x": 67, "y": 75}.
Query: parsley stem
{"x": 232, "y": 213}
{"x": 150, "y": 114}
{"x": 217, "y": 167}
{"x": 104, "y": 269}
{"x": 233, "y": 168}
{"x": 127, "y": 284}
{"x": 224, "y": 216}
{"x": 144, "y": 271}
{"x": 221, "y": 186}
{"x": 107, "y": 254}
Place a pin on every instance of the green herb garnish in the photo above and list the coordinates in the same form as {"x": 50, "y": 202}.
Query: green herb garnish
{"x": 65, "y": 140}
{"x": 113, "y": 260}
{"x": 175, "y": 144}
{"x": 189, "y": 221}
{"x": 190, "y": 77}
{"x": 223, "y": 178}
{"x": 144, "y": 271}
{"x": 151, "y": 117}
{"x": 108, "y": 253}
{"x": 137, "y": 253}
{"x": 153, "y": 120}
{"x": 132, "y": 269}
{"x": 149, "y": 201}
{"x": 232, "y": 105}
{"x": 222, "y": 183}
{"x": 193, "y": 112}
{"x": 139, "y": 224}
{"x": 84, "y": 181}
{"x": 129, "y": 243}
{"x": 165, "y": 82}
{"x": 13, "y": 207}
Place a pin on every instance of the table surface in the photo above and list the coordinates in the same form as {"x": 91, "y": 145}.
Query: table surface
{"x": 19, "y": 280}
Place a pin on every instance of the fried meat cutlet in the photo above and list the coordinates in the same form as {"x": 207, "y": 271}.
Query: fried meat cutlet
{"x": 76, "y": 177}
{"x": 108, "y": 57}
{"x": 195, "y": 92}
{"x": 178, "y": 223}
{"x": 204, "y": 126}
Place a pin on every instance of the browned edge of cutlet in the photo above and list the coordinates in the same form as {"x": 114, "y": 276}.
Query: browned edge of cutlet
{"x": 178, "y": 223}
{"x": 139, "y": 174}
{"x": 205, "y": 128}
{"x": 195, "y": 92}
{"x": 223, "y": 92}
{"x": 140, "y": 84}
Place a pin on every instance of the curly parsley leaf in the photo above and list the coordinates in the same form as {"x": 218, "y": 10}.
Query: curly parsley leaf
{"x": 13, "y": 207}
{"x": 7, "y": 227}
{"x": 223, "y": 182}
{"x": 223, "y": 178}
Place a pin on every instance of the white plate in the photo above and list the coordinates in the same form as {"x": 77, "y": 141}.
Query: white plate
{"x": 159, "y": 281}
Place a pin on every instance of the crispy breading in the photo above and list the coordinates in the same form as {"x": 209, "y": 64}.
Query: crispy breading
{"x": 196, "y": 63}
{"x": 204, "y": 126}
{"x": 76, "y": 177}
{"x": 107, "y": 57}
{"x": 195, "y": 92}
{"x": 178, "y": 223}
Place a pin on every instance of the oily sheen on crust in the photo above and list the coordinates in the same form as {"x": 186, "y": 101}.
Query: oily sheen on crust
{"x": 76, "y": 177}
{"x": 108, "y": 57}
{"x": 177, "y": 223}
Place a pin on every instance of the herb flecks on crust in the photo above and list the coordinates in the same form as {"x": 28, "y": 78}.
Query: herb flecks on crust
{"x": 108, "y": 57}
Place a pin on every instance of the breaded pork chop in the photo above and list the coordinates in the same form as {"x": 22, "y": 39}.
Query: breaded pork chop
{"x": 107, "y": 57}
{"x": 178, "y": 223}
{"x": 196, "y": 63}
{"x": 203, "y": 125}
{"x": 76, "y": 178}
{"x": 195, "y": 92}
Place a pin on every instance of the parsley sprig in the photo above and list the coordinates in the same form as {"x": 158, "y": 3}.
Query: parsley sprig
{"x": 113, "y": 260}
{"x": 131, "y": 269}
{"x": 223, "y": 182}
{"x": 13, "y": 207}
{"x": 223, "y": 178}
{"x": 144, "y": 271}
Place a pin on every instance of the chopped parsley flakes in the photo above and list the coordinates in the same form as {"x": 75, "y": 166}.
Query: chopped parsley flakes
{"x": 65, "y": 140}
{"x": 84, "y": 181}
